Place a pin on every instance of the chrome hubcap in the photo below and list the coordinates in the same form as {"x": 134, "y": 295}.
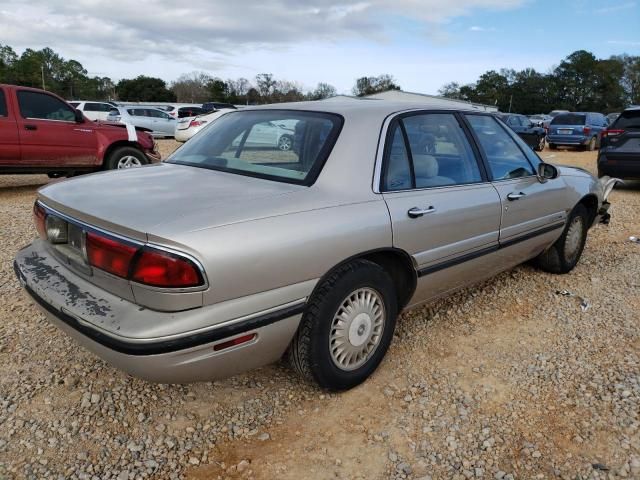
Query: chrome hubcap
{"x": 285, "y": 144}
{"x": 356, "y": 329}
{"x": 128, "y": 161}
{"x": 573, "y": 239}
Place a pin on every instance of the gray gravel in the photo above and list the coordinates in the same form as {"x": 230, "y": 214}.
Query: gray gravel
{"x": 502, "y": 381}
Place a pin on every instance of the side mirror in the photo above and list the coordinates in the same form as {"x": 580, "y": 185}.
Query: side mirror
{"x": 546, "y": 171}
{"x": 79, "y": 117}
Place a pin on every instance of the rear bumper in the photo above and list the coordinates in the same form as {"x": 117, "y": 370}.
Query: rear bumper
{"x": 568, "y": 139}
{"x": 628, "y": 167}
{"x": 181, "y": 358}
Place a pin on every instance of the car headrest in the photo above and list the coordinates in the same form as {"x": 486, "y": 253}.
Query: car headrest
{"x": 425, "y": 166}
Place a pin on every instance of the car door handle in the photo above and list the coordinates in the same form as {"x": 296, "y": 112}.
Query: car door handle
{"x": 416, "y": 212}
{"x": 30, "y": 127}
{"x": 515, "y": 196}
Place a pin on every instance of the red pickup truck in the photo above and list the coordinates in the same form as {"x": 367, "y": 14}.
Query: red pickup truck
{"x": 41, "y": 133}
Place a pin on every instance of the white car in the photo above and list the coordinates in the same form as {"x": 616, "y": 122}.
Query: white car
{"x": 93, "y": 110}
{"x": 159, "y": 123}
{"x": 187, "y": 127}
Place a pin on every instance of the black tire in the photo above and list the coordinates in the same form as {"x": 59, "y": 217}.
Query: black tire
{"x": 553, "y": 146}
{"x": 57, "y": 174}
{"x": 560, "y": 257}
{"x": 310, "y": 353}
{"x": 591, "y": 146}
{"x": 119, "y": 154}
{"x": 540, "y": 145}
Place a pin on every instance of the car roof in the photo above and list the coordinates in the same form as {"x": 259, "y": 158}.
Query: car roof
{"x": 357, "y": 107}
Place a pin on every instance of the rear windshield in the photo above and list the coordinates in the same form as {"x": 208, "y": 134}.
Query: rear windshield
{"x": 628, "y": 120}
{"x": 283, "y": 145}
{"x": 568, "y": 119}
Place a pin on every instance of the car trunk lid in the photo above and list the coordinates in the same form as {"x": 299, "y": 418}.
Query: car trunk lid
{"x": 148, "y": 199}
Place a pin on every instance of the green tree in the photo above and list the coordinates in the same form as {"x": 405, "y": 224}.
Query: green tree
{"x": 370, "y": 85}
{"x": 451, "y": 90}
{"x": 8, "y": 59}
{"x": 322, "y": 91}
{"x": 218, "y": 90}
{"x": 144, "y": 89}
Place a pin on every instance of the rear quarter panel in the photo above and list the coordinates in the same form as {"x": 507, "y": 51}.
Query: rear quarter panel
{"x": 259, "y": 255}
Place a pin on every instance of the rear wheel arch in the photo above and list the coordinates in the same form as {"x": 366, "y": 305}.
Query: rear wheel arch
{"x": 395, "y": 262}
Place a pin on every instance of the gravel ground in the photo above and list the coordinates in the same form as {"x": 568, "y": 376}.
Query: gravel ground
{"x": 504, "y": 380}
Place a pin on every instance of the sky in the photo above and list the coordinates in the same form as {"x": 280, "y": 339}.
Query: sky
{"x": 422, "y": 43}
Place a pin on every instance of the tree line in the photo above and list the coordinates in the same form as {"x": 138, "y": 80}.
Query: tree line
{"x": 68, "y": 78}
{"x": 581, "y": 82}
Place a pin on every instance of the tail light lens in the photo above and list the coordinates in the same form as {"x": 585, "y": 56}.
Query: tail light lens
{"x": 612, "y": 133}
{"x": 586, "y": 130}
{"x": 39, "y": 218}
{"x": 197, "y": 123}
{"x": 110, "y": 255}
{"x": 146, "y": 265}
{"x": 164, "y": 269}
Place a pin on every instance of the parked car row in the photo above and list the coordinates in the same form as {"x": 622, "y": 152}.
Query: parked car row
{"x": 159, "y": 119}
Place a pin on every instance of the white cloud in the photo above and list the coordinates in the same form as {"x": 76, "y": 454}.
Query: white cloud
{"x": 217, "y": 30}
{"x": 477, "y": 28}
{"x": 615, "y": 8}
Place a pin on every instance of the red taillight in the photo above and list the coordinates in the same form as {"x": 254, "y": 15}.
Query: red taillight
{"x": 234, "y": 342}
{"x": 39, "y": 218}
{"x": 164, "y": 269}
{"x": 586, "y": 130}
{"x": 196, "y": 123}
{"x": 110, "y": 255}
{"x": 612, "y": 133}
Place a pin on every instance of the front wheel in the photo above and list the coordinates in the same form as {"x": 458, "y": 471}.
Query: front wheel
{"x": 125, "y": 157}
{"x": 347, "y": 327}
{"x": 564, "y": 254}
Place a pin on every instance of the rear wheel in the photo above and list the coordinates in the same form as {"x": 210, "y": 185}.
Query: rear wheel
{"x": 285, "y": 143}
{"x": 125, "y": 157}
{"x": 541, "y": 143}
{"x": 347, "y": 328}
{"x": 564, "y": 254}
{"x": 591, "y": 146}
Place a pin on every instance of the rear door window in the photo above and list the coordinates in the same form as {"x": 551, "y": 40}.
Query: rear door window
{"x": 45, "y": 107}
{"x": 569, "y": 119}
{"x": 3, "y": 104}
{"x": 436, "y": 150}
{"x": 506, "y": 160}
{"x": 629, "y": 120}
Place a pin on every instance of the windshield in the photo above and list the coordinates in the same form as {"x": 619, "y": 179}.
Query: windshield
{"x": 284, "y": 145}
{"x": 568, "y": 119}
{"x": 628, "y": 120}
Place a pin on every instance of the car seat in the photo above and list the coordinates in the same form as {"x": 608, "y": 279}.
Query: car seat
{"x": 426, "y": 170}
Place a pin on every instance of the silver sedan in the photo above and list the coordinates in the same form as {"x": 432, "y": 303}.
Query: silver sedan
{"x": 158, "y": 122}
{"x": 229, "y": 255}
